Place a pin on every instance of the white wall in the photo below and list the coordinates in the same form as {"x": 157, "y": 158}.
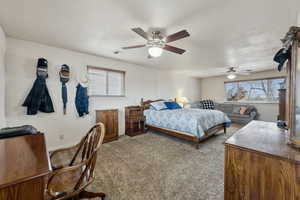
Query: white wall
{"x": 62, "y": 130}
{"x": 2, "y": 77}
{"x": 213, "y": 88}
{"x": 21, "y": 61}
{"x": 172, "y": 84}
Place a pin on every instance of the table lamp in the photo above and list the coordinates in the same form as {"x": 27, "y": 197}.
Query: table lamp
{"x": 182, "y": 101}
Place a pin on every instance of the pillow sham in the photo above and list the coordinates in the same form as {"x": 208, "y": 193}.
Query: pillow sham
{"x": 249, "y": 110}
{"x": 208, "y": 104}
{"x": 158, "y": 105}
{"x": 243, "y": 110}
{"x": 172, "y": 105}
{"x": 151, "y": 107}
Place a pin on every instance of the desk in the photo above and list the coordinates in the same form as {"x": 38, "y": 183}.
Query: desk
{"x": 259, "y": 165}
{"x": 24, "y": 165}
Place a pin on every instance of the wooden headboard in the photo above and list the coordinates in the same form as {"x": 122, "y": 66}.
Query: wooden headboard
{"x": 146, "y": 104}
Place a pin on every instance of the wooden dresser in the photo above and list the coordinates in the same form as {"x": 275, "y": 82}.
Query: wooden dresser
{"x": 260, "y": 166}
{"x": 24, "y": 166}
{"x": 134, "y": 121}
{"x": 110, "y": 119}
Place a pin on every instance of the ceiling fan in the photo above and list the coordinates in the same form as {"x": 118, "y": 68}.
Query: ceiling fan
{"x": 232, "y": 72}
{"x": 156, "y": 42}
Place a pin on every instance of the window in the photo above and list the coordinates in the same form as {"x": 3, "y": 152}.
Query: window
{"x": 106, "y": 82}
{"x": 264, "y": 90}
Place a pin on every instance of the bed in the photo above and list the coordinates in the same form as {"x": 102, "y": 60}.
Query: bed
{"x": 194, "y": 125}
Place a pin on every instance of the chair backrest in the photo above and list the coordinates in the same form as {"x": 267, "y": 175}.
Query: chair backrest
{"x": 89, "y": 144}
{"x": 79, "y": 174}
{"x": 87, "y": 151}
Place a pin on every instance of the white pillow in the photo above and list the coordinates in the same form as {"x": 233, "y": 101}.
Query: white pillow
{"x": 158, "y": 105}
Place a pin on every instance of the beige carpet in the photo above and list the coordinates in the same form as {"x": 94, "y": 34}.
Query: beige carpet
{"x": 154, "y": 166}
{"x": 158, "y": 167}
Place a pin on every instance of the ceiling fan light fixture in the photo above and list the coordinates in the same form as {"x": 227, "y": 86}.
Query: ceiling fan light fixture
{"x": 231, "y": 76}
{"x": 155, "y": 51}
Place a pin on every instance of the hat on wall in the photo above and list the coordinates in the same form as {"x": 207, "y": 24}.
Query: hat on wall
{"x": 42, "y": 62}
{"x": 64, "y": 73}
{"x": 42, "y": 68}
{"x": 281, "y": 57}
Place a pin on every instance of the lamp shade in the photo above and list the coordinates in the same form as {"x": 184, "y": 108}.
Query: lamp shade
{"x": 231, "y": 76}
{"x": 182, "y": 100}
{"x": 155, "y": 51}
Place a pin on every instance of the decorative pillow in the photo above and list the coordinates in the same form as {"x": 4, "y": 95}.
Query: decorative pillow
{"x": 243, "y": 110}
{"x": 151, "y": 107}
{"x": 208, "y": 104}
{"x": 158, "y": 105}
{"x": 249, "y": 110}
{"x": 172, "y": 105}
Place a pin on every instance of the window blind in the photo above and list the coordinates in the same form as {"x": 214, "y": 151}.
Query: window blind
{"x": 106, "y": 82}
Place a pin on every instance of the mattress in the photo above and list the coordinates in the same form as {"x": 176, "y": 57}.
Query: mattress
{"x": 189, "y": 120}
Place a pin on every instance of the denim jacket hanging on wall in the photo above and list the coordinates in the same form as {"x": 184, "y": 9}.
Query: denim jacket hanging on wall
{"x": 82, "y": 100}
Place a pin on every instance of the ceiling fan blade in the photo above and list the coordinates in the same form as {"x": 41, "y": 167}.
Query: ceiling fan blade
{"x": 135, "y": 46}
{"x": 244, "y": 73}
{"x": 140, "y": 32}
{"x": 173, "y": 49}
{"x": 177, "y": 36}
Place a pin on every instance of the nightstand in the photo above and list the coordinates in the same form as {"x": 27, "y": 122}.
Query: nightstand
{"x": 135, "y": 121}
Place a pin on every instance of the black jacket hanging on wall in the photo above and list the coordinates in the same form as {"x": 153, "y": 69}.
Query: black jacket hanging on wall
{"x": 38, "y": 98}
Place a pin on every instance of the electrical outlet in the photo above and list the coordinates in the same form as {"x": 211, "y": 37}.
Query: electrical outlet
{"x": 61, "y": 137}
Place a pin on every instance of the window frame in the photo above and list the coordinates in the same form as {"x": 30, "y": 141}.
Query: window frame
{"x": 247, "y": 80}
{"x": 109, "y": 70}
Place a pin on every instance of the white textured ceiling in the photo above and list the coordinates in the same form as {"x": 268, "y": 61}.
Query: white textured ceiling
{"x": 223, "y": 33}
